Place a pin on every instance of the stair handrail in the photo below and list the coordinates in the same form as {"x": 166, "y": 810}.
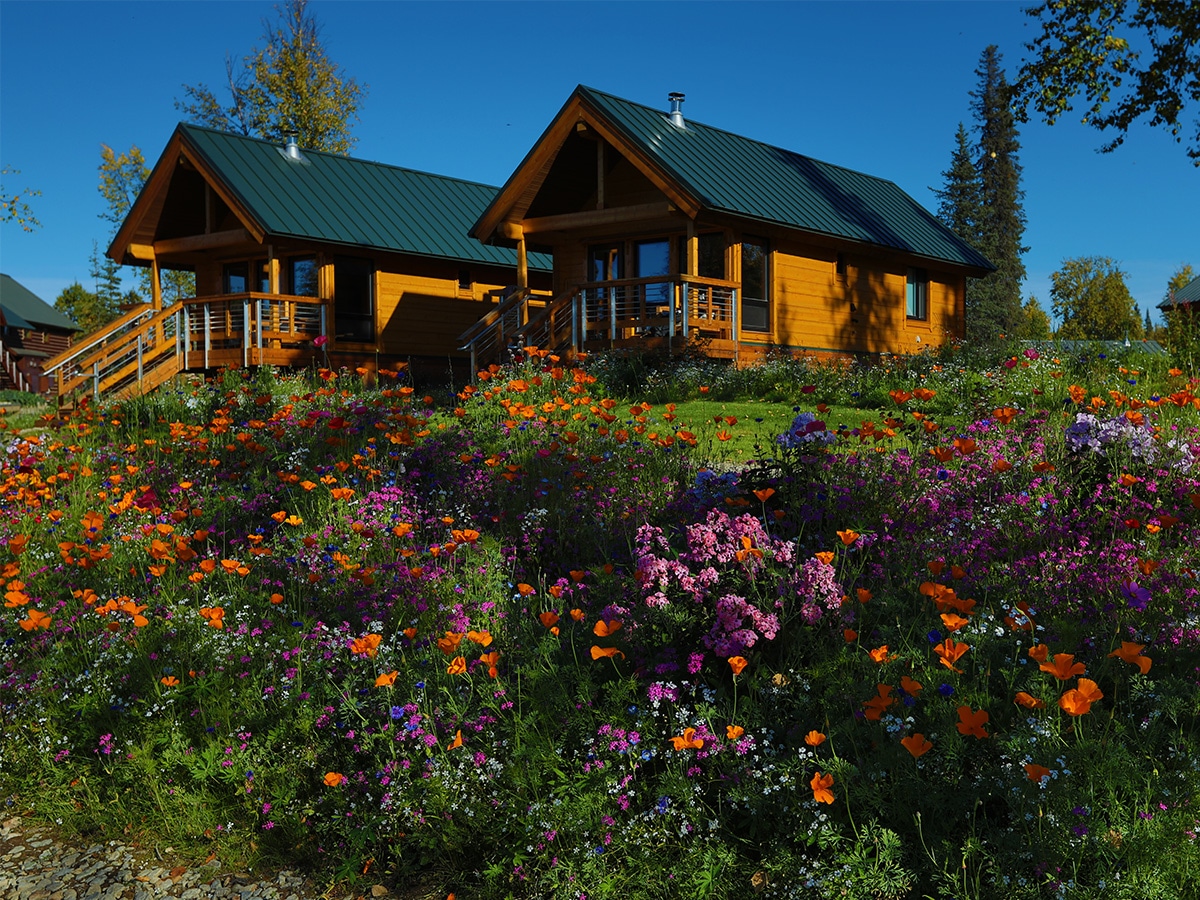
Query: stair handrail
{"x": 563, "y": 300}
{"x": 13, "y": 370}
{"x": 102, "y": 334}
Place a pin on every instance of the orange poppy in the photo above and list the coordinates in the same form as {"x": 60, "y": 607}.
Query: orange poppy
{"x": 577, "y": 615}
{"x": 609, "y": 652}
{"x": 877, "y": 704}
{"x": 458, "y": 666}
{"x": 449, "y": 644}
{"x": 953, "y": 621}
{"x": 1001, "y": 465}
{"x": 972, "y": 722}
{"x": 1034, "y": 772}
{"x": 169, "y": 681}
{"x": 936, "y": 567}
{"x": 879, "y": 654}
{"x": 334, "y": 779}
{"x": 35, "y": 621}
{"x": 848, "y": 537}
{"x": 814, "y": 738}
{"x": 490, "y": 660}
{"x": 764, "y": 494}
{"x": 549, "y": 618}
{"x": 688, "y": 741}
{"x": 821, "y": 785}
{"x": 733, "y": 732}
{"x": 1064, "y": 667}
{"x": 917, "y": 744}
{"x": 910, "y": 686}
{"x": 387, "y": 679}
{"x": 525, "y": 589}
{"x": 826, "y": 556}
{"x": 1078, "y": 701}
{"x": 482, "y": 638}
{"x": 367, "y": 646}
{"x": 864, "y": 596}
{"x": 965, "y": 446}
{"x": 949, "y": 652}
{"x": 1130, "y": 653}
{"x": 737, "y": 663}
{"x": 1028, "y": 701}
{"x": 1039, "y": 653}
{"x": 457, "y": 742}
{"x": 849, "y": 635}
{"x": 604, "y": 629}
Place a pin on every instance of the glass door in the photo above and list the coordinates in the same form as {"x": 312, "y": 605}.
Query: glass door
{"x": 606, "y": 262}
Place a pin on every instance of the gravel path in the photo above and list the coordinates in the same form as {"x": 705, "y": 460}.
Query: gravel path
{"x": 35, "y": 865}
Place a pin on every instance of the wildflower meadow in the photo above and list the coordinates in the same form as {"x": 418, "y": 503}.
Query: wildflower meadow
{"x": 546, "y": 636}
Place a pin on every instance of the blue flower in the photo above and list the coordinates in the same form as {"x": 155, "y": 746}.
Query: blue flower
{"x": 945, "y": 690}
{"x": 934, "y": 637}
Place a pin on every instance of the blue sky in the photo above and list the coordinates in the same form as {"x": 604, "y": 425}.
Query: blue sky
{"x": 464, "y": 89}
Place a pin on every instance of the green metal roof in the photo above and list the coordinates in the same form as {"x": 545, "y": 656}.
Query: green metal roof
{"x": 25, "y": 309}
{"x": 354, "y": 202}
{"x": 1189, "y": 293}
{"x": 748, "y": 178}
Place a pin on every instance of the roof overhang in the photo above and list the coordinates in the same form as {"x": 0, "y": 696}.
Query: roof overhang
{"x": 134, "y": 243}
{"x": 504, "y": 217}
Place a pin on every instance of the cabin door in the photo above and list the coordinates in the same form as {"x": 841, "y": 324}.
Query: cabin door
{"x": 654, "y": 261}
{"x": 353, "y": 298}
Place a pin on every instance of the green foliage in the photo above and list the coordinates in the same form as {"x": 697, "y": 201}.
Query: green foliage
{"x": 1035, "y": 323}
{"x": 122, "y": 176}
{"x": 1086, "y": 49}
{"x": 287, "y": 86}
{"x": 85, "y": 308}
{"x": 994, "y": 302}
{"x": 14, "y": 207}
{"x": 960, "y": 203}
{"x": 1089, "y": 296}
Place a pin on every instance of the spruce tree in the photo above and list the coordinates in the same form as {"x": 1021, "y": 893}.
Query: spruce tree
{"x": 959, "y": 201}
{"x": 994, "y": 302}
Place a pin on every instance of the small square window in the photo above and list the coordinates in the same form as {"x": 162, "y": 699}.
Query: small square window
{"x": 840, "y": 265}
{"x": 917, "y": 294}
{"x": 464, "y": 280}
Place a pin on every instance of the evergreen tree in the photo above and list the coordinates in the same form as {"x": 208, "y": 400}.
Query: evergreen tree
{"x": 959, "y": 205}
{"x": 994, "y": 302}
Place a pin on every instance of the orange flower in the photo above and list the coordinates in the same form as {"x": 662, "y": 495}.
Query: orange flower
{"x": 1078, "y": 701}
{"x": 1130, "y": 653}
{"x": 879, "y": 654}
{"x": 1064, "y": 667}
{"x": 877, "y": 704}
{"x": 449, "y": 644}
{"x": 1034, "y": 772}
{"x": 169, "y": 681}
{"x": 737, "y": 663}
{"x": 849, "y": 635}
{"x": 609, "y": 652}
{"x": 688, "y": 741}
{"x": 386, "y": 680}
{"x": 965, "y": 446}
{"x": 457, "y": 742}
{"x": 972, "y": 722}
{"x": 577, "y": 615}
{"x": 36, "y": 620}
{"x": 953, "y": 621}
{"x": 1001, "y": 465}
{"x": 490, "y": 660}
{"x": 826, "y": 556}
{"x": 458, "y": 666}
{"x": 949, "y": 652}
{"x": 917, "y": 744}
{"x": 764, "y": 494}
{"x": 525, "y": 589}
{"x": 410, "y": 632}
{"x": 821, "y": 785}
{"x": 1077, "y": 393}
{"x": 936, "y": 567}
{"x": 549, "y": 618}
{"x": 334, "y": 779}
{"x": 1039, "y": 653}
{"x": 814, "y": 738}
{"x": 733, "y": 732}
{"x": 367, "y": 646}
{"x": 482, "y": 638}
{"x": 864, "y": 596}
{"x": 604, "y": 629}
{"x": 909, "y": 686}
{"x": 276, "y": 599}
{"x": 1028, "y": 701}
{"x": 848, "y": 537}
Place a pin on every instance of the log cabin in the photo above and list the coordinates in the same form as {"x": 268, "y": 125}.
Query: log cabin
{"x": 31, "y": 332}
{"x": 300, "y": 258}
{"x": 669, "y": 232}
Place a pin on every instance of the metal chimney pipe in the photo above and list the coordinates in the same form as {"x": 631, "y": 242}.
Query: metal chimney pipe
{"x": 676, "y": 100}
{"x": 292, "y": 147}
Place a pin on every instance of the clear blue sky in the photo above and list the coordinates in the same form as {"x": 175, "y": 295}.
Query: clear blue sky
{"x": 464, "y": 89}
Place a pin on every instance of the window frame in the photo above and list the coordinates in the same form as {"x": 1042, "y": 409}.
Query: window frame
{"x": 916, "y": 294}
{"x": 763, "y": 302}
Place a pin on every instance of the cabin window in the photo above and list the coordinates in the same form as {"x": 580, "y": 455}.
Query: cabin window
{"x": 756, "y": 309}
{"x": 465, "y": 281}
{"x": 353, "y": 298}
{"x": 840, "y": 267}
{"x": 916, "y": 292}
{"x": 654, "y": 261}
{"x": 262, "y": 268}
{"x": 710, "y": 255}
{"x": 302, "y": 276}
{"x": 233, "y": 279}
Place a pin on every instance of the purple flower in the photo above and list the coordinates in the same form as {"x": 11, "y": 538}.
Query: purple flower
{"x": 1137, "y": 597}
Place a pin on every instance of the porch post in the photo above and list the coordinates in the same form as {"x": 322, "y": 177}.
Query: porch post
{"x": 155, "y": 284}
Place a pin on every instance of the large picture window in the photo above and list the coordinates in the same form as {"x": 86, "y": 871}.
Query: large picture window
{"x": 756, "y": 283}
{"x": 302, "y": 276}
{"x": 916, "y": 293}
{"x": 353, "y": 298}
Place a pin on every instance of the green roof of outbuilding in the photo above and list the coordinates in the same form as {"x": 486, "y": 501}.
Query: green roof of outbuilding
{"x": 354, "y": 202}
{"x": 25, "y": 309}
{"x": 748, "y": 178}
{"x": 1189, "y": 293}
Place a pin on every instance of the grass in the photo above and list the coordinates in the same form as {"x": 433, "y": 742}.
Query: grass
{"x": 544, "y": 641}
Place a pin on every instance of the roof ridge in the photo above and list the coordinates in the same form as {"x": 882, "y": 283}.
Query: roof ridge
{"x": 742, "y": 137}
{"x": 352, "y": 159}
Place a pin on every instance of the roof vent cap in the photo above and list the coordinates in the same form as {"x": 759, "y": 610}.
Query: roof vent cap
{"x": 676, "y": 100}
{"x": 291, "y": 147}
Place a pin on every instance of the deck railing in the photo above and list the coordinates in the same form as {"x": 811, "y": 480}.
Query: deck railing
{"x": 497, "y": 333}
{"x": 145, "y": 347}
{"x": 12, "y": 369}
